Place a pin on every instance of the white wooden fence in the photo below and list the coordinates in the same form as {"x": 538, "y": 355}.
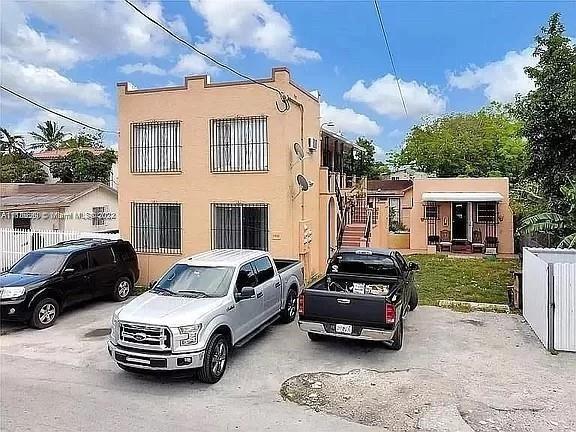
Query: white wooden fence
{"x": 14, "y": 244}
{"x": 549, "y": 296}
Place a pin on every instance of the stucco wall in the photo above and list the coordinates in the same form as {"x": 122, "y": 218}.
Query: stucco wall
{"x": 195, "y": 188}
{"x": 418, "y": 233}
{"x": 85, "y": 204}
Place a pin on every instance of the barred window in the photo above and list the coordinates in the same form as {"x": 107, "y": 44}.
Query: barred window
{"x": 239, "y": 144}
{"x": 155, "y": 147}
{"x": 97, "y": 216}
{"x": 486, "y": 212}
{"x": 431, "y": 212}
{"x": 240, "y": 226}
{"x": 157, "y": 228}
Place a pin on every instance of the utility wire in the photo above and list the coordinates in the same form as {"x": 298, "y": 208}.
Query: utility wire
{"x": 56, "y": 112}
{"x": 283, "y": 97}
{"x": 390, "y": 55}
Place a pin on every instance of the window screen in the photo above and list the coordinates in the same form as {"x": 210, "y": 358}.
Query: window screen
{"x": 157, "y": 227}
{"x": 155, "y": 147}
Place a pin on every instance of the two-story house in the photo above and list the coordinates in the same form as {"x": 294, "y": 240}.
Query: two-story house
{"x": 216, "y": 165}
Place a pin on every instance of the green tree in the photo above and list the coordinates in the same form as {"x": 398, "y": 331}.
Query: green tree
{"x": 83, "y": 165}
{"x": 50, "y": 136}
{"x": 549, "y": 111}
{"x": 11, "y": 143}
{"x": 479, "y": 144}
{"x": 361, "y": 163}
{"x": 84, "y": 140}
{"x": 17, "y": 167}
{"x": 549, "y": 221}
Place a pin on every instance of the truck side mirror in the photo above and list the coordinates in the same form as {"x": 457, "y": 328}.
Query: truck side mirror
{"x": 245, "y": 293}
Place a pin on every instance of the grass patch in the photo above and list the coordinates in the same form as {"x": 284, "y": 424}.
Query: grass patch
{"x": 482, "y": 280}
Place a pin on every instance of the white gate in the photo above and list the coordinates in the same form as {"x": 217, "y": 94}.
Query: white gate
{"x": 14, "y": 244}
{"x": 549, "y": 296}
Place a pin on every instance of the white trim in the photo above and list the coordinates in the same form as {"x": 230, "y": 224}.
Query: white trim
{"x": 462, "y": 196}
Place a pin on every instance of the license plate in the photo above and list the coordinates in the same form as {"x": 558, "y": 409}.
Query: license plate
{"x": 344, "y": 328}
{"x": 137, "y": 360}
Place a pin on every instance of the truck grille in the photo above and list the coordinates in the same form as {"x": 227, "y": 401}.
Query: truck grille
{"x": 144, "y": 336}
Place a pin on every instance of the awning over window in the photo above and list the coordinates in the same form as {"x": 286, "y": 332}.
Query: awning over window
{"x": 462, "y": 196}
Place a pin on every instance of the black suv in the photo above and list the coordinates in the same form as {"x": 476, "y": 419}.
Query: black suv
{"x": 45, "y": 281}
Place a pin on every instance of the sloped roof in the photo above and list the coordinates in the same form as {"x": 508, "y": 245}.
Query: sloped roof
{"x": 58, "y": 153}
{"x": 30, "y": 195}
{"x": 388, "y": 186}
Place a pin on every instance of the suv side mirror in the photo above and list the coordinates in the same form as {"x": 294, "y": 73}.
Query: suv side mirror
{"x": 245, "y": 293}
{"x": 68, "y": 271}
{"x": 412, "y": 266}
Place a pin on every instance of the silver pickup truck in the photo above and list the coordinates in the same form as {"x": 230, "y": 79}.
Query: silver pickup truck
{"x": 201, "y": 308}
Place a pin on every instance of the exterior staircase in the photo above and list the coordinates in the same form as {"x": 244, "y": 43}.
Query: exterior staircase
{"x": 353, "y": 233}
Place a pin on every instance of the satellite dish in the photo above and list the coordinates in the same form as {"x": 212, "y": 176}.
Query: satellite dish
{"x": 299, "y": 150}
{"x": 303, "y": 182}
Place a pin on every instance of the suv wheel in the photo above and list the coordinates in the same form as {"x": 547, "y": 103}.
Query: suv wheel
{"x": 122, "y": 289}
{"x": 45, "y": 313}
{"x": 288, "y": 314}
{"x": 215, "y": 359}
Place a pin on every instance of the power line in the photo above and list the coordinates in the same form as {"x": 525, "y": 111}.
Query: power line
{"x": 283, "y": 97}
{"x": 390, "y": 55}
{"x": 56, "y": 112}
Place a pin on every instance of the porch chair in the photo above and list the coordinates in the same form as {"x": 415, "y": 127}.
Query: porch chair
{"x": 477, "y": 244}
{"x": 445, "y": 241}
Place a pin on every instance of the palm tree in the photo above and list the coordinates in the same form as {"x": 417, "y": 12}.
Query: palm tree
{"x": 11, "y": 143}
{"x": 50, "y": 136}
{"x": 552, "y": 222}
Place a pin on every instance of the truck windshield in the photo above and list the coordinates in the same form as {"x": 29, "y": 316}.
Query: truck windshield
{"x": 196, "y": 281}
{"x": 375, "y": 264}
{"x": 37, "y": 263}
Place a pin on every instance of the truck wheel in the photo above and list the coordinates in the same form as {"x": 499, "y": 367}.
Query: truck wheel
{"x": 289, "y": 312}
{"x": 122, "y": 289}
{"x": 315, "y": 337}
{"x": 398, "y": 337}
{"x": 215, "y": 359}
{"x": 45, "y": 313}
{"x": 413, "y": 300}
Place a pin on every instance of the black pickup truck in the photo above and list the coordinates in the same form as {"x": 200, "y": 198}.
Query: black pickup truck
{"x": 365, "y": 294}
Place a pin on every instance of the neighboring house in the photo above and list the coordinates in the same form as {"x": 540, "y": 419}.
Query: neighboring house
{"x": 448, "y": 214}
{"x": 48, "y": 156}
{"x": 84, "y": 207}
{"x": 397, "y": 194}
{"x": 405, "y": 173}
{"x": 213, "y": 166}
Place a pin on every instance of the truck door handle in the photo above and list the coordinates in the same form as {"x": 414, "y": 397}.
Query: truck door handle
{"x": 260, "y": 294}
{"x": 343, "y": 301}
{"x": 229, "y": 308}
{"x": 278, "y": 285}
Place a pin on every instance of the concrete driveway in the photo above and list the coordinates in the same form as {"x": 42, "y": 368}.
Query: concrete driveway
{"x": 479, "y": 371}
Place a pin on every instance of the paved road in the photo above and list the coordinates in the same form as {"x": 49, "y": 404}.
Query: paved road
{"x": 61, "y": 379}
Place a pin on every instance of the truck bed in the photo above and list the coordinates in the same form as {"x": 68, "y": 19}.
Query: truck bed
{"x": 285, "y": 264}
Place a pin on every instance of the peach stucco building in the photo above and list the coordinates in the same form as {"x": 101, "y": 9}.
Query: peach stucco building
{"x": 213, "y": 166}
{"x": 443, "y": 214}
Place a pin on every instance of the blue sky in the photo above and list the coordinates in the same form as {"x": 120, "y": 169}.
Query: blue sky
{"x": 450, "y": 55}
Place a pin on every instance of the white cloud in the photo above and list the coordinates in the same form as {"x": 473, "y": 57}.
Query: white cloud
{"x": 383, "y": 97}
{"x": 19, "y": 40}
{"x": 48, "y": 86}
{"x": 192, "y": 64}
{"x": 109, "y": 28}
{"x": 254, "y": 24}
{"x": 501, "y": 80}
{"x": 145, "y": 68}
{"x": 348, "y": 120}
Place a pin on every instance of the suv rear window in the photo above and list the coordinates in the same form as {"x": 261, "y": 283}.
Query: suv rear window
{"x": 102, "y": 257}
{"x": 375, "y": 264}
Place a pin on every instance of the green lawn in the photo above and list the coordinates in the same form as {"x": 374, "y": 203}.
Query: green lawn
{"x": 482, "y": 280}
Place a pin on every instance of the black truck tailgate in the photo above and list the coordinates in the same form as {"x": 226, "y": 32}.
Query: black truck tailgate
{"x": 345, "y": 308}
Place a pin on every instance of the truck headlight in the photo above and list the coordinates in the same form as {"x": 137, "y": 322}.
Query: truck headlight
{"x": 114, "y": 328}
{"x": 12, "y": 292}
{"x": 190, "y": 334}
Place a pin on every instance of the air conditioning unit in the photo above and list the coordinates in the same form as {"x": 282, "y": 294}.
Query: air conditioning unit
{"x": 312, "y": 144}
